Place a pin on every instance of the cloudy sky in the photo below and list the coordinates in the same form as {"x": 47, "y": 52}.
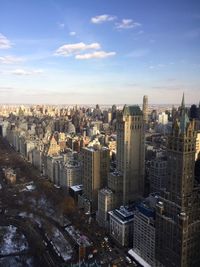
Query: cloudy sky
{"x": 99, "y": 51}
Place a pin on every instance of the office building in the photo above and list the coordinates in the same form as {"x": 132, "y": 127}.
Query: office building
{"x": 121, "y": 226}
{"x": 157, "y": 174}
{"x": 144, "y": 233}
{"x": 178, "y": 209}
{"x": 105, "y": 204}
{"x": 95, "y": 172}
{"x": 130, "y": 152}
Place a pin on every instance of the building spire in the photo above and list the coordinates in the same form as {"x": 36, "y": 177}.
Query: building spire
{"x": 183, "y": 101}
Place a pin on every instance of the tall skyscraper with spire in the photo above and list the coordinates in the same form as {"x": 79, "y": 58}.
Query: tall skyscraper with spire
{"x": 178, "y": 210}
{"x": 130, "y": 152}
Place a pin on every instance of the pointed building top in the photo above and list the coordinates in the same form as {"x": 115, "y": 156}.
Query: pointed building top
{"x": 184, "y": 121}
{"x": 183, "y": 101}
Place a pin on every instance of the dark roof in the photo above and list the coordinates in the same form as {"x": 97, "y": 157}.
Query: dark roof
{"x": 132, "y": 110}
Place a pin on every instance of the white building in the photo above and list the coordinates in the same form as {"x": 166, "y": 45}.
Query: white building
{"x": 121, "y": 226}
{"x": 197, "y": 146}
{"x": 144, "y": 233}
{"x": 163, "y": 118}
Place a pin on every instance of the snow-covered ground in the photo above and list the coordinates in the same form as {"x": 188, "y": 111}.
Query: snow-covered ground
{"x": 32, "y": 216}
{"x": 11, "y": 240}
{"x": 17, "y": 261}
{"x": 61, "y": 246}
{"x": 77, "y": 236}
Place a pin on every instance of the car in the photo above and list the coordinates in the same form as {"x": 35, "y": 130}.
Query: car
{"x": 106, "y": 238}
{"x": 128, "y": 259}
{"x": 90, "y": 256}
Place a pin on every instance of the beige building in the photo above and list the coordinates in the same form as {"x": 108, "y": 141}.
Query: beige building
{"x": 10, "y": 176}
{"x": 197, "y": 154}
{"x": 53, "y": 147}
{"x": 130, "y": 152}
{"x": 145, "y": 108}
{"x": 95, "y": 172}
{"x": 105, "y": 204}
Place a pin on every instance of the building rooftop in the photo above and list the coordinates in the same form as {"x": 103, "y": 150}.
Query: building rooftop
{"x": 77, "y": 188}
{"x": 116, "y": 173}
{"x": 123, "y": 215}
{"x": 146, "y": 210}
{"x": 132, "y": 110}
{"x": 106, "y": 191}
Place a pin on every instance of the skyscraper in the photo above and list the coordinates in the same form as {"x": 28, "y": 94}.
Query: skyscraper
{"x": 145, "y": 108}
{"x": 130, "y": 152}
{"x": 178, "y": 210}
{"x": 95, "y": 171}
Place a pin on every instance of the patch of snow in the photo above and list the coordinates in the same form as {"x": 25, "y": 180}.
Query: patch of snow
{"x": 12, "y": 241}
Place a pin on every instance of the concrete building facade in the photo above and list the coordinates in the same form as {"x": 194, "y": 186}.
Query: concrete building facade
{"x": 95, "y": 172}
{"x": 130, "y": 152}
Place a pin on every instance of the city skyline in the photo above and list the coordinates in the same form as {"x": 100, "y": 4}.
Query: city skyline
{"x": 93, "y": 51}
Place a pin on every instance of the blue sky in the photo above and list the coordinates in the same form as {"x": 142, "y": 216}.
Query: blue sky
{"x": 99, "y": 51}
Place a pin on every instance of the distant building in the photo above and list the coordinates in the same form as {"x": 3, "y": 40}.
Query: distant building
{"x": 163, "y": 118}
{"x": 145, "y": 108}
{"x": 197, "y": 152}
{"x": 10, "y": 176}
{"x": 53, "y": 146}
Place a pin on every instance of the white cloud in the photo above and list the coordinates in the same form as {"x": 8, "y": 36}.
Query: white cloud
{"x": 22, "y": 72}
{"x": 158, "y": 66}
{"x": 127, "y": 24}
{"x": 72, "y": 33}
{"x": 61, "y": 25}
{"x": 10, "y": 60}
{"x": 161, "y": 65}
{"x": 96, "y": 54}
{"x": 4, "y": 42}
{"x": 102, "y": 18}
{"x": 71, "y": 49}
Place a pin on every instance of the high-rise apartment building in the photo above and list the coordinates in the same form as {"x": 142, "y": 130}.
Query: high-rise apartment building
{"x": 157, "y": 174}
{"x": 178, "y": 209}
{"x": 163, "y": 118}
{"x": 145, "y": 108}
{"x": 144, "y": 233}
{"x": 105, "y": 204}
{"x": 95, "y": 172}
{"x": 130, "y": 152}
